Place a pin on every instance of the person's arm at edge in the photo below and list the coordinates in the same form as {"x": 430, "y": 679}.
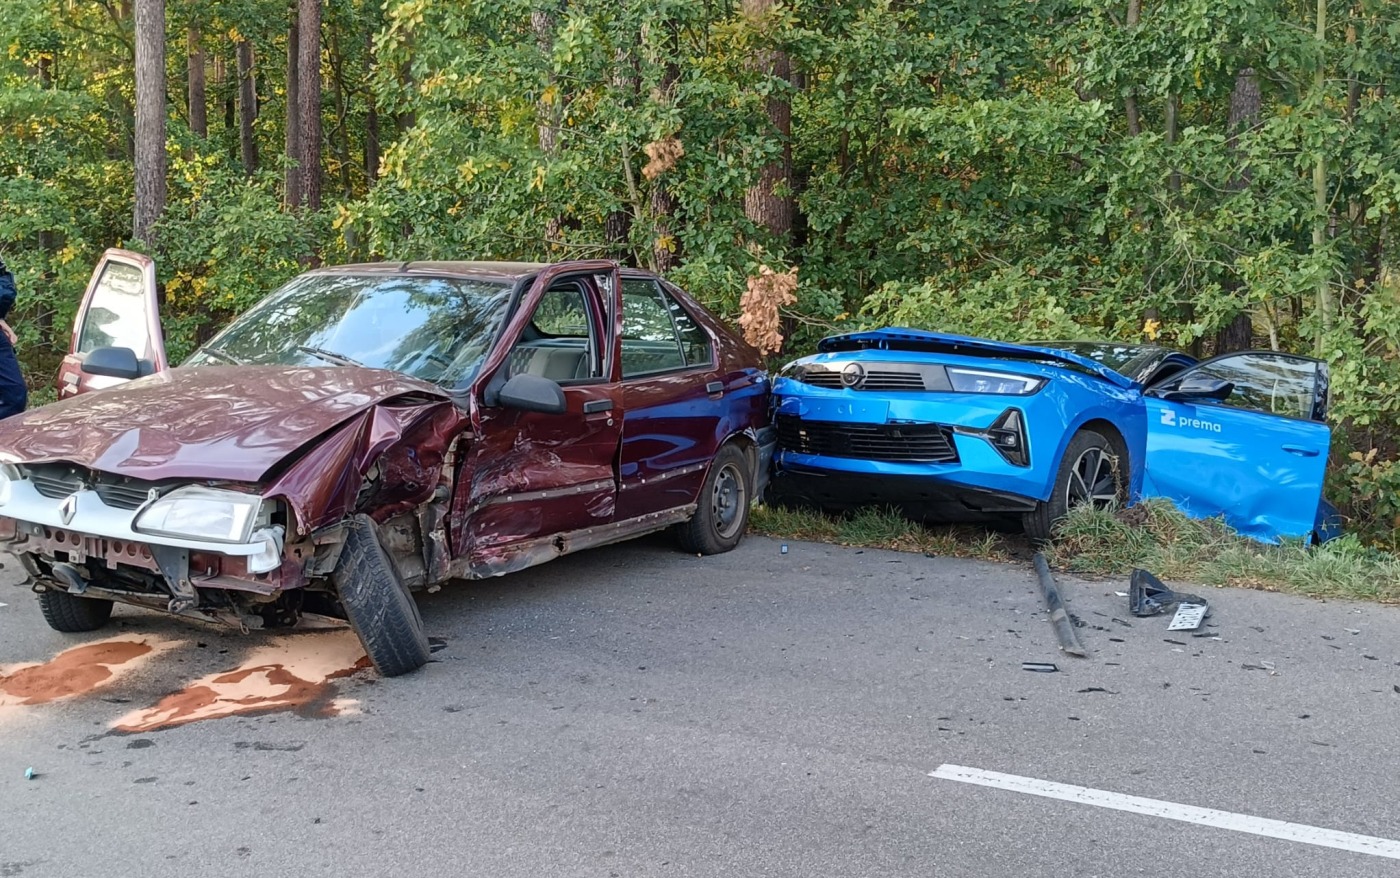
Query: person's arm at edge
{"x": 7, "y": 299}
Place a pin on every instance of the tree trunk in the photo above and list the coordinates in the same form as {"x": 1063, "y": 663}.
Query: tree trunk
{"x": 1173, "y": 109}
{"x": 371, "y": 123}
{"x": 1319, "y": 234}
{"x": 1245, "y": 107}
{"x": 199, "y": 112}
{"x": 549, "y": 110}
{"x": 762, "y": 204}
{"x": 1130, "y": 107}
{"x": 309, "y": 101}
{"x": 292, "y": 149}
{"x": 665, "y": 242}
{"x": 150, "y": 120}
{"x": 340, "y": 137}
{"x": 247, "y": 108}
{"x": 617, "y": 225}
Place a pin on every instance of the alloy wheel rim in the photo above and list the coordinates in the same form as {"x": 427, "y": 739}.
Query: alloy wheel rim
{"x": 1093, "y": 479}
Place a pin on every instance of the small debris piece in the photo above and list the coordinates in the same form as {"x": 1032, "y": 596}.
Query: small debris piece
{"x": 1353, "y": 630}
{"x": 783, "y": 549}
{"x": 1097, "y": 689}
{"x": 30, "y": 773}
{"x": 1040, "y": 667}
{"x": 1188, "y": 617}
{"x": 1148, "y": 596}
{"x": 1173, "y": 642}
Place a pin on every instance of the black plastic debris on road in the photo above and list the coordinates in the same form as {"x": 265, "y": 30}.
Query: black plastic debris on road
{"x": 1148, "y": 596}
{"x": 1040, "y": 667}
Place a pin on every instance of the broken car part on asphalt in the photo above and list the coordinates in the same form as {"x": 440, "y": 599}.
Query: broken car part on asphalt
{"x": 1148, "y": 596}
{"x": 1059, "y": 617}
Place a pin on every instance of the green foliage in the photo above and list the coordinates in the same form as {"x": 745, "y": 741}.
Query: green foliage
{"x": 969, "y": 165}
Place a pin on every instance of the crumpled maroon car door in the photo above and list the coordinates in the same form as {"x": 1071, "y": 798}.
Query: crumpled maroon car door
{"x": 532, "y": 475}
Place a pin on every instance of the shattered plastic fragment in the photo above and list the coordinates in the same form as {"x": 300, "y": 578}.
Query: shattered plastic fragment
{"x": 1188, "y": 617}
{"x": 1147, "y": 596}
{"x": 30, "y": 773}
{"x": 1040, "y": 667}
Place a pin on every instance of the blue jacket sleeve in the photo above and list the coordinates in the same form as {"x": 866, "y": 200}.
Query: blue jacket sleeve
{"x": 7, "y": 290}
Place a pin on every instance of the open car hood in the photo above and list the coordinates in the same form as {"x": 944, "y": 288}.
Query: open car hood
{"x": 918, "y": 340}
{"x": 232, "y": 423}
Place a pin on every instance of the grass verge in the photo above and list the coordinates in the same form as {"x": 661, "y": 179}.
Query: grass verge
{"x": 882, "y": 528}
{"x": 1151, "y": 535}
{"x": 1157, "y": 537}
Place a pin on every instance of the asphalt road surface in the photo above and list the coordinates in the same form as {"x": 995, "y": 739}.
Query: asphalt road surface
{"x": 637, "y": 711}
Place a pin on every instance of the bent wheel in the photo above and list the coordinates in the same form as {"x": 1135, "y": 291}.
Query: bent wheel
{"x": 722, "y": 510}
{"x": 72, "y": 614}
{"x": 1088, "y": 474}
{"x": 379, "y": 608}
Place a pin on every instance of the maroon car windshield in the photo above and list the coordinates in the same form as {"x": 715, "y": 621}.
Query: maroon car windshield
{"x": 437, "y": 329}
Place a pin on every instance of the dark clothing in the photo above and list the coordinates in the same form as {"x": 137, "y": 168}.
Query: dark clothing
{"x": 7, "y": 290}
{"x": 14, "y": 393}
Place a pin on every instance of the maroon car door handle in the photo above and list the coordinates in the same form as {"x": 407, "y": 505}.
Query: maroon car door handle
{"x": 593, "y": 406}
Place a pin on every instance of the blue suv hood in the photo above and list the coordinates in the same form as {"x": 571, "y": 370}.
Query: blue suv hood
{"x": 919, "y": 340}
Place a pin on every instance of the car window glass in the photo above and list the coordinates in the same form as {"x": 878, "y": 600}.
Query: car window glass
{"x": 695, "y": 341}
{"x": 559, "y": 343}
{"x": 438, "y": 329}
{"x": 649, "y": 341}
{"x": 1273, "y": 383}
{"x": 117, "y": 314}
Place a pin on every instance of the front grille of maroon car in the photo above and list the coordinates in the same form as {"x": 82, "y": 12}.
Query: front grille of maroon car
{"x": 57, "y": 481}
{"x": 60, "y": 480}
{"x": 915, "y": 443}
{"x": 126, "y": 493}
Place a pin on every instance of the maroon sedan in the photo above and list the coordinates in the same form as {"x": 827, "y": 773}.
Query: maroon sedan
{"x": 369, "y": 430}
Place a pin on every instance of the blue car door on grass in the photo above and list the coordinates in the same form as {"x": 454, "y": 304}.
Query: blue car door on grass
{"x": 1256, "y": 456}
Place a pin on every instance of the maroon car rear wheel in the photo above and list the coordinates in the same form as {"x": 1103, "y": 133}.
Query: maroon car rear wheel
{"x": 722, "y": 510}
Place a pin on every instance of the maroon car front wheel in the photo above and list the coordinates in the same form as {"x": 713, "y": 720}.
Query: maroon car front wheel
{"x": 379, "y": 608}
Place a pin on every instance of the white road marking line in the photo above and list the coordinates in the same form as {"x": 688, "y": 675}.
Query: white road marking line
{"x": 1330, "y": 838}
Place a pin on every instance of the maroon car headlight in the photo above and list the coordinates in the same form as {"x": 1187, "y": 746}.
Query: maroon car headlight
{"x": 8, "y": 476}
{"x": 198, "y": 513}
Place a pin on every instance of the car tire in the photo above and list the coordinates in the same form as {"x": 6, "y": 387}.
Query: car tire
{"x": 72, "y": 614}
{"x": 377, "y": 604}
{"x": 1089, "y": 472}
{"x": 722, "y": 510}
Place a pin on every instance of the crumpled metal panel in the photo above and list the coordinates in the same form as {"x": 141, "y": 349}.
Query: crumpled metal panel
{"x": 205, "y": 422}
{"x": 406, "y": 443}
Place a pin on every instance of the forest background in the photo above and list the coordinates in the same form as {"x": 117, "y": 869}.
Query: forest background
{"x": 1208, "y": 174}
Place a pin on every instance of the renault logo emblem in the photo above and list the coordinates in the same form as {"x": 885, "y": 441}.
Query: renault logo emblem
{"x": 68, "y": 508}
{"x": 852, "y": 375}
